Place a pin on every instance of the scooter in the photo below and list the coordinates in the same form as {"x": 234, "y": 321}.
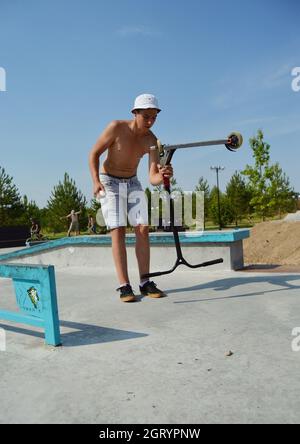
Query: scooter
{"x": 166, "y": 152}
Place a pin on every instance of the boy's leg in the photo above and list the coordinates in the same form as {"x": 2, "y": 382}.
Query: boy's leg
{"x": 113, "y": 206}
{"x": 119, "y": 253}
{"x": 138, "y": 217}
{"x": 142, "y": 249}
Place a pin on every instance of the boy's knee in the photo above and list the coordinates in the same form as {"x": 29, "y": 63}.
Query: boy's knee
{"x": 142, "y": 230}
{"x": 119, "y": 231}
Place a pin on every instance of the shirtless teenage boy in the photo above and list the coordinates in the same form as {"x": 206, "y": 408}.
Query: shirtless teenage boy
{"x": 126, "y": 142}
{"x": 74, "y": 226}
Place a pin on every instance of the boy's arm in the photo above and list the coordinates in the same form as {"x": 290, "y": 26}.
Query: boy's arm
{"x": 105, "y": 140}
{"x": 65, "y": 217}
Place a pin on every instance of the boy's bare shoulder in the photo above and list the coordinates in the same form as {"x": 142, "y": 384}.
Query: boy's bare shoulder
{"x": 120, "y": 122}
{"x": 152, "y": 138}
{"x": 114, "y": 124}
{"x": 117, "y": 125}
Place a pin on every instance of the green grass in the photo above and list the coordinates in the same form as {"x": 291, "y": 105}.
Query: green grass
{"x": 54, "y": 236}
{"x": 209, "y": 226}
{"x": 244, "y": 223}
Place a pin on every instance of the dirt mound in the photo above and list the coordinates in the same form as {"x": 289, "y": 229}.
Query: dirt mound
{"x": 276, "y": 242}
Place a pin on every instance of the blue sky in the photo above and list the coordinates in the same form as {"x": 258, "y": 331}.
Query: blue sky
{"x": 72, "y": 66}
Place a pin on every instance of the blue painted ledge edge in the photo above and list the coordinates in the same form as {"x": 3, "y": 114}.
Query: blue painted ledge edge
{"x": 155, "y": 239}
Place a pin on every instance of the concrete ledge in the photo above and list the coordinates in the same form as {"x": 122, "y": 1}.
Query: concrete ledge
{"x": 95, "y": 251}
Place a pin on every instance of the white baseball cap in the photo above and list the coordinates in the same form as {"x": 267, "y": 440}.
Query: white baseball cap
{"x": 146, "y": 101}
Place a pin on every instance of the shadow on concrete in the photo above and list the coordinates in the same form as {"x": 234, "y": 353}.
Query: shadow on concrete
{"x": 282, "y": 281}
{"x": 259, "y": 267}
{"x": 84, "y": 334}
{"x": 272, "y": 268}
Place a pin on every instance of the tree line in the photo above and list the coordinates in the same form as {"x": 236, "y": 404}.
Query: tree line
{"x": 259, "y": 190}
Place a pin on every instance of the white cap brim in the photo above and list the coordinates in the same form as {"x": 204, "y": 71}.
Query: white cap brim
{"x": 146, "y": 107}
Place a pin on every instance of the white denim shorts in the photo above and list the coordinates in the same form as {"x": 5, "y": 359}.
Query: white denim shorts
{"x": 124, "y": 199}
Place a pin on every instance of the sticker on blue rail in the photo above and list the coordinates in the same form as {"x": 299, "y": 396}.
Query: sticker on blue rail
{"x": 28, "y": 297}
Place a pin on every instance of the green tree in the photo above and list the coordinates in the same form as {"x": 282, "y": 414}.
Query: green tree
{"x": 225, "y": 208}
{"x": 282, "y": 196}
{"x": 11, "y": 207}
{"x": 269, "y": 187}
{"x": 64, "y": 198}
{"x": 174, "y": 189}
{"x": 173, "y": 184}
{"x": 43, "y": 218}
{"x": 204, "y": 187}
{"x": 30, "y": 209}
{"x": 95, "y": 206}
{"x": 238, "y": 197}
{"x": 259, "y": 175}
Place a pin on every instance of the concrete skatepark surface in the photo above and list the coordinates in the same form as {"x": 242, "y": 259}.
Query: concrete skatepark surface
{"x": 158, "y": 361}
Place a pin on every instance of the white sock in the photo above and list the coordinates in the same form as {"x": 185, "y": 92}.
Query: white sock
{"x": 143, "y": 282}
{"x": 124, "y": 285}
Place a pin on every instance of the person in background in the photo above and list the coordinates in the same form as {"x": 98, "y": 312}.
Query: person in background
{"x": 74, "y": 226}
{"x": 92, "y": 228}
{"x": 35, "y": 228}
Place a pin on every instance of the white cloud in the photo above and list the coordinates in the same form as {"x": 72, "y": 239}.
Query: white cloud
{"x": 127, "y": 31}
{"x": 223, "y": 100}
{"x": 279, "y": 76}
{"x": 258, "y": 120}
{"x": 246, "y": 86}
{"x": 286, "y": 128}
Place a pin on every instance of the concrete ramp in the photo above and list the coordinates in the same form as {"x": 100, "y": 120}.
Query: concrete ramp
{"x": 95, "y": 251}
{"x": 293, "y": 217}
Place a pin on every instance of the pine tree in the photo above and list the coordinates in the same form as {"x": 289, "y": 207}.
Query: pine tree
{"x": 238, "y": 197}
{"x": 258, "y": 176}
{"x": 173, "y": 186}
{"x": 11, "y": 207}
{"x": 95, "y": 206}
{"x": 282, "y": 196}
{"x": 225, "y": 208}
{"x": 30, "y": 209}
{"x": 204, "y": 187}
{"x": 64, "y": 198}
{"x": 176, "y": 193}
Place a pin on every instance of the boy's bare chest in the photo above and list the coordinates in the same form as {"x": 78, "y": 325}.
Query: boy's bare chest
{"x": 127, "y": 145}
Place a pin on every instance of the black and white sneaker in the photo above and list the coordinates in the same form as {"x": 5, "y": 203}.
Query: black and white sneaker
{"x": 150, "y": 289}
{"x": 126, "y": 293}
